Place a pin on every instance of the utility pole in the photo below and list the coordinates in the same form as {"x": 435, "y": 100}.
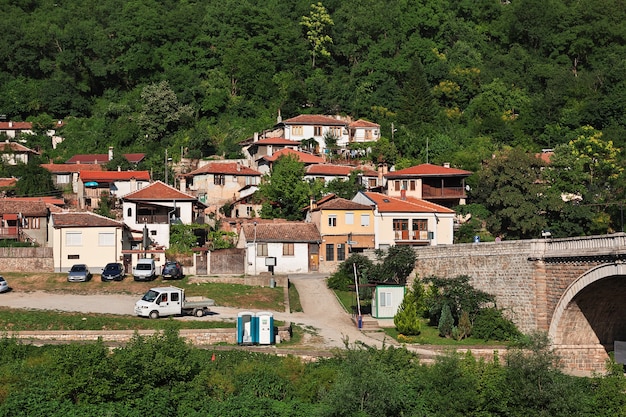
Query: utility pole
{"x": 166, "y": 166}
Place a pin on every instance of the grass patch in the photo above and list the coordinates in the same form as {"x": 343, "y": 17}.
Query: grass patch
{"x": 294, "y": 298}
{"x": 430, "y": 336}
{"x": 347, "y": 299}
{"x": 237, "y": 295}
{"x": 33, "y": 320}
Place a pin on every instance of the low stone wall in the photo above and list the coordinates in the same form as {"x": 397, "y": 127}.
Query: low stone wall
{"x": 197, "y": 337}
{"x": 26, "y": 259}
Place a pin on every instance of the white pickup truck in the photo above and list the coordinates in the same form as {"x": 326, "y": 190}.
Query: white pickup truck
{"x": 171, "y": 301}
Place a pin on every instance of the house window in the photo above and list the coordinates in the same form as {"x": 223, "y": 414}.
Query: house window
{"x": 218, "y": 179}
{"x": 261, "y": 249}
{"x": 368, "y": 135}
{"x": 372, "y": 182}
{"x": 63, "y": 179}
{"x": 405, "y": 185}
{"x": 74, "y": 239}
{"x": 420, "y": 225}
{"x": 129, "y": 212}
{"x": 330, "y": 252}
{"x": 317, "y": 130}
{"x": 384, "y": 299}
{"x": 401, "y": 229}
{"x": 349, "y": 218}
{"x": 297, "y": 130}
{"x": 31, "y": 223}
{"x": 332, "y": 220}
{"x": 341, "y": 252}
{"x": 336, "y": 131}
{"x": 365, "y": 219}
{"x": 249, "y": 211}
{"x": 396, "y": 185}
{"x": 288, "y": 249}
{"x": 106, "y": 239}
{"x": 412, "y": 185}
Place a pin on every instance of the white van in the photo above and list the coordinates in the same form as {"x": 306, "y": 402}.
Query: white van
{"x": 145, "y": 270}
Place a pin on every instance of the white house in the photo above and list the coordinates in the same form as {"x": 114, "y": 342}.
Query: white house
{"x": 156, "y": 207}
{"x": 386, "y": 300}
{"x": 408, "y": 221}
{"x": 280, "y": 247}
{"x": 93, "y": 184}
{"x": 14, "y": 153}
{"x": 84, "y": 238}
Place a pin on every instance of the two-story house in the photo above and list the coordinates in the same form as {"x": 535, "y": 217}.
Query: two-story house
{"x": 92, "y": 185}
{"x": 24, "y": 220}
{"x": 218, "y": 183}
{"x": 328, "y": 172}
{"x": 406, "y": 221}
{"x": 103, "y": 158}
{"x": 264, "y": 164}
{"x": 260, "y": 148}
{"x": 156, "y": 207}
{"x": 66, "y": 175}
{"x": 345, "y": 227}
{"x": 439, "y": 184}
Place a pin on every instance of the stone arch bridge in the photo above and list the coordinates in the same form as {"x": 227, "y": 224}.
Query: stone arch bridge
{"x": 573, "y": 288}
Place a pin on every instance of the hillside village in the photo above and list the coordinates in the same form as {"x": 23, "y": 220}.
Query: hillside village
{"x": 411, "y": 206}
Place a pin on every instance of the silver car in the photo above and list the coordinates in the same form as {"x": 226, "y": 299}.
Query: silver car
{"x": 4, "y": 285}
{"x": 79, "y": 273}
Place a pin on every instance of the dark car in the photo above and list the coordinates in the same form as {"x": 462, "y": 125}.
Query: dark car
{"x": 172, "y": 270}
{"x": 113, "y": 272}
{"x": 79, "y": 273}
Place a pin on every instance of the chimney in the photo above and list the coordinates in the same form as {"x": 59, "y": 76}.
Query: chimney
{"x": 279, "y": 119}
{"x": 313, "y": 204}
{"x": 133, "y": 184}
{"x": 256, "y": 137}
{"x": 119, "y": 168}
{"x": 446, "y": 164}
{"x": 110, "y": 153}
{"x": 10, "y": 123}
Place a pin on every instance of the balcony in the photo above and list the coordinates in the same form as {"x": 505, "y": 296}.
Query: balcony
{"x": 10, "y": 232}
{"x": 442, "y": 192}
{"x": 412, "y": 237}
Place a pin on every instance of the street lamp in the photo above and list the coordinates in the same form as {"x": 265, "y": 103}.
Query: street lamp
{"x": 254, "y": 244}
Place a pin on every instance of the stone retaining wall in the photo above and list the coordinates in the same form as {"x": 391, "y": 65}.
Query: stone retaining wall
{"x": 27, "y": 259}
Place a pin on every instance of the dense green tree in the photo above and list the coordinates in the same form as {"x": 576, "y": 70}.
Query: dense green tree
{"x": 316, "y": 24}
{"x": 347, "y": 188}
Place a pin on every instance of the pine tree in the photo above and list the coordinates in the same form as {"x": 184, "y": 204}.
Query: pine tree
{"x": 406, "y": 319}
{"x": 446, "y": 322}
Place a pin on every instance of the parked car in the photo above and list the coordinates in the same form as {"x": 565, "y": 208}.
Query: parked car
{"x": 4, "y": 285}
{"x": 145, "y": 270}
{"x": 113, "y": 271}
{"x": 79, "y": 273}
{"x": 172, "y": 270}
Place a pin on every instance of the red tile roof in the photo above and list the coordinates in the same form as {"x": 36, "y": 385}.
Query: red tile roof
{"x": 315, "y": 119}
{"x": 159, "y": 191}
{"x": 14, "y": 147}
{"x": 16, "y": 126}
{"x": 103, "y": 158}
{"x": 108, "y": 176}
{"x": 82, "y": 219}
{"x": 47, "y": 200}
{"x": 545, "y": 156}
{"x": 303, "y": 157}
{"x": 329, "y": 169}
{"x": 8, "y": 182}
{"x": 428, "y": 170}
{"x": 289, "y": 232}
{"x": 339, "y": 203}
{"x": 276, "y": 141}
{"x": 387, "y": 204}
{"x": 65, "y": 168}
{"x": 363, "y": 123}
{"x": 226, "y": 168}
{"x": 27, "y": 208}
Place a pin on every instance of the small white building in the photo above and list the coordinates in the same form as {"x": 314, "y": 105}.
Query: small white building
{"x": 386, "y": 300}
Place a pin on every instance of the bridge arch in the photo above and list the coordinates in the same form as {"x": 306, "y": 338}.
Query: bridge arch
{"x": 591, "y": 311}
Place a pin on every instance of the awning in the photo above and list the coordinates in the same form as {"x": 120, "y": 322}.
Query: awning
{"x": 9, "y": 216}
{"x": 91, "y": 184}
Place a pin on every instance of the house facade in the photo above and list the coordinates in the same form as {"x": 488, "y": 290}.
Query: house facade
{"x": 84, "y": 238}
{"x": 24, "y": 220}
{"x": 267, "y": 147}
{"x": 280, "y": 247}
{"x": 439, "y": 184}
{"x": 66, "y": 175}
{"x": 155, "y": 208}
{"x": 103, "y": 158}
{"x": 218, "y": 183}
{"x": 13, "y": 153}
{"x": 264, "y": 164}
{"x": 408, "y": 221}
{"x": 345, "y": 227}
{"x": 92, "y": 185}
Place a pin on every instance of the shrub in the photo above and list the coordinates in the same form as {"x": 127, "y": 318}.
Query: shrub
{"x": 406, "y": 319}
{"x": 490, "y": 324}
{"x": 446, "y": 322}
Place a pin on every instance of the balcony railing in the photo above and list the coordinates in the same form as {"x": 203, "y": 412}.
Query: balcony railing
{"x": 152, "y": 219}
{"x": 412, "y": 235}
{"x": 10, "y": 232}
{"x": 445, "y": 192}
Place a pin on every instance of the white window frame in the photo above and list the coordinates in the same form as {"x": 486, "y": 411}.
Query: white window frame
{"x": 332, "y": 220}
{"x": 365, "y": 220}
{"x": 73, "y": 238}
{"x": 349, "y": 218}
{"x": 106, "y": 239}
{"x": 384, "y": 298}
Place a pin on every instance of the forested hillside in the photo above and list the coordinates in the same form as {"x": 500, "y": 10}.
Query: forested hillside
{"x": 456, "y": 81}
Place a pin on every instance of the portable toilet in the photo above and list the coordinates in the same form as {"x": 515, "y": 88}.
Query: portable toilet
{"x": 265, "y": 324}
{"x": 246, "y": 329}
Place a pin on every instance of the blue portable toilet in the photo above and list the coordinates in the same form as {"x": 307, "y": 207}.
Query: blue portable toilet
{"x": 265, "y": 328}
{"x": 247, "y": 333}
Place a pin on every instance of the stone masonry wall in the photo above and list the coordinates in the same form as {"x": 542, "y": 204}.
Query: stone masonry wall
{"x": 27, "y": 259}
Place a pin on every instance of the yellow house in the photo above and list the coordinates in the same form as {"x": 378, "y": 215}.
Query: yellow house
{"x": 345, "y": 226}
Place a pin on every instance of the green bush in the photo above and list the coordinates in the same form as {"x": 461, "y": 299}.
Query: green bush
{"x": 406, "y": 319}
{"x": 446, "y": 322}
{"x": 490, "y": 324}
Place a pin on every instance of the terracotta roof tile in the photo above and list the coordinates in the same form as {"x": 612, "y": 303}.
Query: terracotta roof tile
{"x": 303, "y": 157}
{"x": 339, "y": 203}
{"x": 329, "y": 169}
{"x": 226, "y": 168}
{"x": 58, "y": 201}
{"x": 82, "y": 219}
{"x": 428, "y": 170}
{"x": 27, "y": 208}
{"x": 315, "y": 119}
{"x": 107, "y": 176}
{"x": 8, "y": 182}
{"x": 289, "y": 232}
{"x": 364, "y": 123}
{"x": 16, "y": 126}
{"x": 158, "y": 191}
{"x": 14, "y": 147}
{"x": 385, "y": 203}
{"x": 276, "y": 141}
{"x": 103, "y": 158}
{"x": 64, "y": 168}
